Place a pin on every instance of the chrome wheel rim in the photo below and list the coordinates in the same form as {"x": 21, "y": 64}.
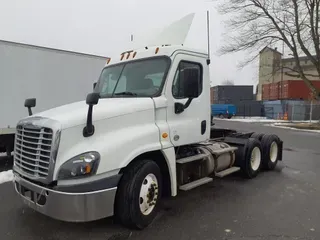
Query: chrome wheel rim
{"x": 255, "y": 159}
{"x": 273, "y": 152}
{"x": 148, "y": 194}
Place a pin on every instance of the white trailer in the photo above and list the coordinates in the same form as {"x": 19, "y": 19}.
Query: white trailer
{"x": 144, "y": 133}
{"x": 54, "y": 77}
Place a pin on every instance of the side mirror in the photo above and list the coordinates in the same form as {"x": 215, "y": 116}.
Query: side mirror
{"x": 30, "y": 103}
{"x": 191, "y": 82}
{"x": 94, "y": 85}
{"x": 92, "y": 99}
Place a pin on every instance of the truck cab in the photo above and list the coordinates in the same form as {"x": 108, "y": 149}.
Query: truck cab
{"x": 142, "y": 134}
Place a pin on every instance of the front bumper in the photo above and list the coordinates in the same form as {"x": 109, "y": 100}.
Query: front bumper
{"x": 66, "y": 206}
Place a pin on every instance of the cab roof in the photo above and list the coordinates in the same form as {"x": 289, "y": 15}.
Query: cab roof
{"x": 153, "y": 51}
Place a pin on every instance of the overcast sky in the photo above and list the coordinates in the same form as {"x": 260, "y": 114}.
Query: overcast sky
{"x": 104, "y": 27}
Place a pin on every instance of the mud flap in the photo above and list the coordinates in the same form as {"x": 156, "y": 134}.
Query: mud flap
{"x": 280, "y": 151}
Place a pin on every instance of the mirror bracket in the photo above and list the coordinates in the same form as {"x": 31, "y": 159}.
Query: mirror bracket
{"x": 92, "y": 99}
{"x": 88, "y": 131}
{"x": 187, "y": 104}
{"x": 29, "y": 111}
{"x": 179, "y": 107}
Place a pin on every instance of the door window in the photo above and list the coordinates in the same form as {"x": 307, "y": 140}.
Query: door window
{"x": 178, "y": 81}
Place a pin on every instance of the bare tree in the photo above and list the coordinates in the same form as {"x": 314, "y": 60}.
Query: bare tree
{"x": 227, "y": 82}
{"x": 255, "y": 24}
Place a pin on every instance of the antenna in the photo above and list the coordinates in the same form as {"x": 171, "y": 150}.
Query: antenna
{"x": 208, "y": 33}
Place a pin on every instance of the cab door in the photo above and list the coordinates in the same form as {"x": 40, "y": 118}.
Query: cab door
{"x": 188, "y": 123}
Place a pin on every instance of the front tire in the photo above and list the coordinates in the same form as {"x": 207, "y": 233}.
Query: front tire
{"x": 138, "y": 195}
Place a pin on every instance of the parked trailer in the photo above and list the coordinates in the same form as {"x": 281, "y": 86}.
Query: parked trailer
{"x": 232, "y": 93}
{"x": 55, "y": 77}
{"x": 143, "y": 133}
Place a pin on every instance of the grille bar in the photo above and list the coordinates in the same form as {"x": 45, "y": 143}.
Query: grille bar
{"x": 32, "y": 165}
{"x": 32, "y": 170}
{"x": 32, "y": 137}
{"x": 33, "y": 150}
{"x": 31, "y": 159}
{"x": 20, "y": 145}
{"x": 33, "y": 131}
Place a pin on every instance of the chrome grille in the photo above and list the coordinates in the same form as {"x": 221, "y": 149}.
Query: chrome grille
{"x": 33, "y": 150}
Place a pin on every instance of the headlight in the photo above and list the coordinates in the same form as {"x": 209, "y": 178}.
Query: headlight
{"x": 83, "y": 165}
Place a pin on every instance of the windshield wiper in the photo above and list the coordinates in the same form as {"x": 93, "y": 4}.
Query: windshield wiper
{"x": 126, "y": 93}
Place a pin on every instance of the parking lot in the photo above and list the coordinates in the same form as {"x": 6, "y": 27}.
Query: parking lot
{"x": 283, "y": 204}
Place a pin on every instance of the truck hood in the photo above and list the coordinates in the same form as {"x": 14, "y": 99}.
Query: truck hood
{"x": 75, "y": 114}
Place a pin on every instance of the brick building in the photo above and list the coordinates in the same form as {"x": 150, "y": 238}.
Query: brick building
{"x": 270, "y": 70}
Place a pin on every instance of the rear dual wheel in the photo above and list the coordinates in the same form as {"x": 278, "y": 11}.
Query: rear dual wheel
{"x": 270, "y": 150}
{"x": 257, "y": 136}
{"x": 270, "y": 144}
{"x": 251, "y": 158}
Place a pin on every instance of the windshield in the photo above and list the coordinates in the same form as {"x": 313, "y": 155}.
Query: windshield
{"x": 142, "y": 78}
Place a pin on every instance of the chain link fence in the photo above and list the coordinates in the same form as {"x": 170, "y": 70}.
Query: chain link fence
{"x": 282, "y": 110}
{"x": 301, "y": 111}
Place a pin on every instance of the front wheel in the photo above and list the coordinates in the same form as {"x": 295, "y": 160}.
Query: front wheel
{"x": 138, "y": 194}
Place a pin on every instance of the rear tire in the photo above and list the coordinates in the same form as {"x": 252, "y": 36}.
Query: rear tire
{"x": 251, "y": 164}
{"x": 270, "y": 151}
{"x": 221, "y": 116}
{"x": 138, "y": 195}
{"x": 257, "y": 136}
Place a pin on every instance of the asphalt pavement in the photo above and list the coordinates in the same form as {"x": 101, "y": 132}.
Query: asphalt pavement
{"x": 282, "y": 204}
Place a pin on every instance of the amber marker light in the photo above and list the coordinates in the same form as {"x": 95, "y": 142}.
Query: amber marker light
{"x": 87, "y": 168}
{"x": 164, "y": 135}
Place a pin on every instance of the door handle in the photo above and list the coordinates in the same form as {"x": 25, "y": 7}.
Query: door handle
{"x": 203, "y": 127}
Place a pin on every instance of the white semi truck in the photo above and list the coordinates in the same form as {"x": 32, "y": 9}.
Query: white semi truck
{"x": 142, "y": 134}
{"x": 45, "y": 73}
